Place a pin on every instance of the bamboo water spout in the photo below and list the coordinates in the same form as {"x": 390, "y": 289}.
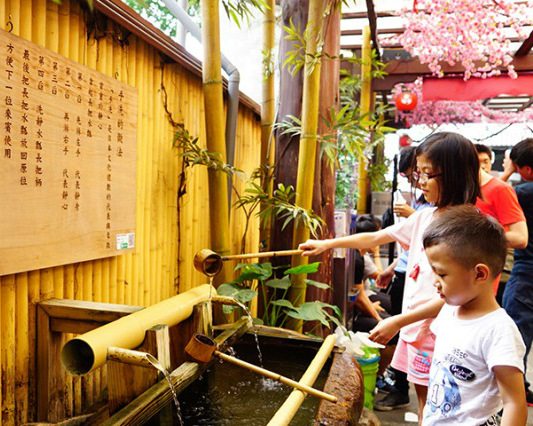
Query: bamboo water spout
{"x": 83, "y": 354}
{"x": 202, "y": 349}
{"x": 210, "y": 263}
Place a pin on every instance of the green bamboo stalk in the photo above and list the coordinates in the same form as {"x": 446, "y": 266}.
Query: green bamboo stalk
{"x": 267, "y": 113}
{"x": 214, "y": 123}
{"x": 308, "y": 145}
{"x": 366, "y": 93}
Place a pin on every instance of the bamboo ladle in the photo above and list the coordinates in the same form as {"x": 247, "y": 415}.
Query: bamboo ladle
{"x": 210, "y": 263}
{"x": 202, "y": 348}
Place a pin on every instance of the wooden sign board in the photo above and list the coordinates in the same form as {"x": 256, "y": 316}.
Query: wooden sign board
{"x": 67, "y": 160}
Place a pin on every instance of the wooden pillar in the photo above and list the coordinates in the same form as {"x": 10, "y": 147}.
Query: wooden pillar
{"x": 50, "y": 376}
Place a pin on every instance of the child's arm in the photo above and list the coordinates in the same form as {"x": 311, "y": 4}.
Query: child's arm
{"x": 511, "y": 385}
{"x": 377, "y": 260}
{"x": 388, "y": 328}
{"x": 365, "y": 305}
{"x": 383, "y": 279}
{"x": 358, "y": 241}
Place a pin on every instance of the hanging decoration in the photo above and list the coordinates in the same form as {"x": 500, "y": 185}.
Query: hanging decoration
{"x": 406, "y": 101}
{"x": 473, "y": 33}
{"x": 444, "y": 112}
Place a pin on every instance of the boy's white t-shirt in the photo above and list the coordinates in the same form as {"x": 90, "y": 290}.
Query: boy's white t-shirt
{"x": 462, "y": 387}
{"x": 419, "y": 277}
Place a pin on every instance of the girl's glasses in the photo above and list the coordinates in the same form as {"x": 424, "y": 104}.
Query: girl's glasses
{"x": 424, "y": 177}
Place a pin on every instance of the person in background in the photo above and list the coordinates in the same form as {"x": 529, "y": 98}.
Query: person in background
{"x": 393, "y": 278}
{"x": 518, "y": 295}
{"x": 370, "y": 307}
{"x": 477, "y": 366}
{"x": 499, "y": 201}
{"x": 484, "y": 153}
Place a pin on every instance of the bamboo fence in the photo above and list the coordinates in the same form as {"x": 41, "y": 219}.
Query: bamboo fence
{"x": 162, "y": 264}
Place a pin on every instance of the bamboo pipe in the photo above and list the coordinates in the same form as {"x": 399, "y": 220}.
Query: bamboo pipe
{"x": 88, "y": 351}
{"x": 278, "y": 377}
{"x": 263, "y": 254}
{"x": 291, "y": 405}
{"x": 128, "y": 356}
{"x": 201, "y": 349}
{"x": 210, "y": 263}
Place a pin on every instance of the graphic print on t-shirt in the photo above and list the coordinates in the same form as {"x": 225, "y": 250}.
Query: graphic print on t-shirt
{"x": 443, "y": 391}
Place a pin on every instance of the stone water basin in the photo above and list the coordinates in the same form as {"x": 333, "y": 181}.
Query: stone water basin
{"x": 230, "y": 395}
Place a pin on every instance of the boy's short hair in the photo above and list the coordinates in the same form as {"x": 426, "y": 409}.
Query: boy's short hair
{"x": 407, "y": 158}
{"x": 367, "y": 223}
{"x": 522, "y": 153}
{"x": 471, "y": 237}
{"x": 483, "y": 149}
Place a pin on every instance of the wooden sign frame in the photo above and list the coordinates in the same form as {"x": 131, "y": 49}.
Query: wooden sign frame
{"x": 68, "y": 160}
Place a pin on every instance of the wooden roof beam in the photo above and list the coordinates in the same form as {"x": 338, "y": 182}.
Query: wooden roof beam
{"x": 526, "y": 46}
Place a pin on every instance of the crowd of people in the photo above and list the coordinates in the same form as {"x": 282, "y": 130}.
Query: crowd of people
{"x": 455, "y": 327}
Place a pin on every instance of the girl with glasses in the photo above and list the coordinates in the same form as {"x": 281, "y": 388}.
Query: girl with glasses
{"x": 447, "y": 172}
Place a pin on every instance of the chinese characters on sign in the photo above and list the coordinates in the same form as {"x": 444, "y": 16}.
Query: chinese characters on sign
{"x": 67, "y": 169}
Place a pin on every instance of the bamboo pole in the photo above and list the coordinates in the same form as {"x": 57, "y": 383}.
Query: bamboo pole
{"x": 88, "y": 351}
{"x": 308, "y": 145}
{"x": 289, "y": 408}
{"x": 214, "y": 121}
{"x": 268, "y": 110}
{"x": 366, "y": 93}
{"x": 278, "y": 377}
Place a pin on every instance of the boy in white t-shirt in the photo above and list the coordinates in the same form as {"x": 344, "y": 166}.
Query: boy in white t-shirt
{"x": 477, "y": 366}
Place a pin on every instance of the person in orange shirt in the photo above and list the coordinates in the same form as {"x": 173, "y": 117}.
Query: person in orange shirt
{"x": 499, "y": 200}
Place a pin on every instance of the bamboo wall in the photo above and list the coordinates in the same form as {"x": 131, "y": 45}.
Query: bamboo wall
{"x": 162, "y": 263}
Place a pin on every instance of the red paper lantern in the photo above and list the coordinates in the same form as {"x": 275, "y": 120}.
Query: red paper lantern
{"x": 405, "y": 141}
{"x": 406, "y": 101}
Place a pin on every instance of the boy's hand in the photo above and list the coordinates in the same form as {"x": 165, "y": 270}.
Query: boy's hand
{"x": 313, "y": 247}
{"x": 511, "y": 385}
{"x": 385, "y": 330}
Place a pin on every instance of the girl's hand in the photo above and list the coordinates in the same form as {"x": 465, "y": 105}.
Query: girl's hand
{"x": 313, "y": 247}
{"x": 403, "y": 210}
{"x": 385, "y": 330}
{"x": 384, "y": 279}
{"x": 378, "y": 307}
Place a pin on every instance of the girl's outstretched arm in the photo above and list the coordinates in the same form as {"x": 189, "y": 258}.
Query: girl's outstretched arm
{"x": 358, "y": 241}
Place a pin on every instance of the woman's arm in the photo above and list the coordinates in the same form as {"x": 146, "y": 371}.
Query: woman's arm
{"x": 357, "y": 241}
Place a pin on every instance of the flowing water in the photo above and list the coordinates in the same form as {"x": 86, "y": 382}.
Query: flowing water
{"x": 163, "y": 370}
{"x": 229, "y": 395}
{"x": 259, "y": 354}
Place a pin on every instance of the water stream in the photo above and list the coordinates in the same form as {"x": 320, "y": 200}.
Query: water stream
{"x": 247, "y": 312}
{"x": 163, "y": 370}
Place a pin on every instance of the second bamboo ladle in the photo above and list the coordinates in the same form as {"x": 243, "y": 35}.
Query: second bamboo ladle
{"x": 202, "y": 348}
{"x": 210, "y": 263}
